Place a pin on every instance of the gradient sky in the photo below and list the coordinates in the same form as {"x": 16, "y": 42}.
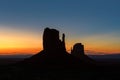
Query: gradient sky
{"x": 95, "y": 23}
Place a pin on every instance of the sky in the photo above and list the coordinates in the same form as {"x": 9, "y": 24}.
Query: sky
{"x": 94, "y": 23}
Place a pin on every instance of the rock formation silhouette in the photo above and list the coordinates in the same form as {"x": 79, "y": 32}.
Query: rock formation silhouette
{"x": 51, "y": 41}
{"x": 54, "y": 52}
{"x": 78, "y": 50}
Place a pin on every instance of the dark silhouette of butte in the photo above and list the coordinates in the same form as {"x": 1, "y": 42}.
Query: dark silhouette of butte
{"x": 78, "y": 51}
{"x": 54, "y": 52}
{"x": 51, "y": 41}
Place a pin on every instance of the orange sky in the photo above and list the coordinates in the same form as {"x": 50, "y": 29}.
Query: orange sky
{"x": 16, "y": 42}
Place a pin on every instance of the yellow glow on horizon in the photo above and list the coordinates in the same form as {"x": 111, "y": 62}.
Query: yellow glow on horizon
{"x": 15, "y": 41}
{"x": 8, "y": 51}
{"x": 107, "y": 43}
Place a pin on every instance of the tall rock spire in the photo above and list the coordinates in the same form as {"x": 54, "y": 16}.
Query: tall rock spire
{"x": 51, "y": 41}
{"x": 63, "y": 41}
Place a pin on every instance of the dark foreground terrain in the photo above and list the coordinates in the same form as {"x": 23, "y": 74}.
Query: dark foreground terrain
{"x": 59, "y": 72}
{"x": 20, "y": 69}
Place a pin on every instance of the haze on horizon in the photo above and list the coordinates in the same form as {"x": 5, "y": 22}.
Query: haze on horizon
{"x": 95, "y": 23}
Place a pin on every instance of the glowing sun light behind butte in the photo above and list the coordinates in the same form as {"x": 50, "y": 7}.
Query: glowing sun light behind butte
{"x": 28, "y": 41}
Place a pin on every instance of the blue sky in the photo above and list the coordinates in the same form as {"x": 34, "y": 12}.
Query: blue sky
{"x": 93, "y": 14}
{"x": 77, "y": 18}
